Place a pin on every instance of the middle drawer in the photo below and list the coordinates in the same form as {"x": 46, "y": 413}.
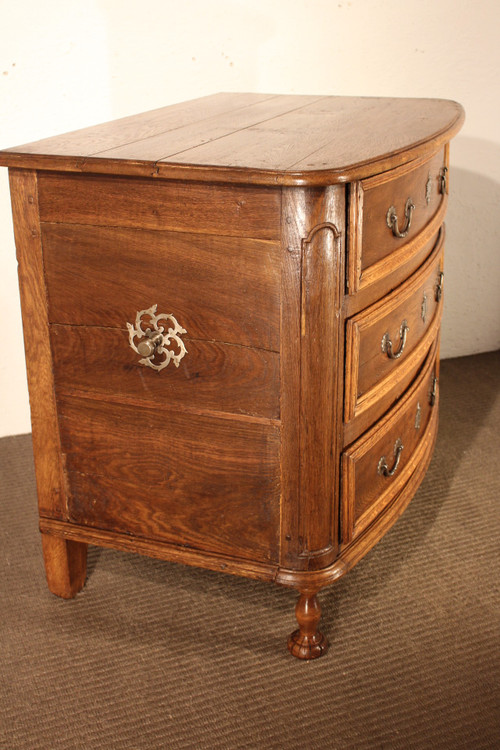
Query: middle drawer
{"x": 387, "y": 342}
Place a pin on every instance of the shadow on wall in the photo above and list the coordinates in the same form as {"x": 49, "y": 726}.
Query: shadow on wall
{"x": 471, "y": 322}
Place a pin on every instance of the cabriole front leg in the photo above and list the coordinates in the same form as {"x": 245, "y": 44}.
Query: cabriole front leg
{"x": 307, "y": 642}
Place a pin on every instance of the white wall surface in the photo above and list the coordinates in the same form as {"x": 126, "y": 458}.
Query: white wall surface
{"x": 66, "y": 65}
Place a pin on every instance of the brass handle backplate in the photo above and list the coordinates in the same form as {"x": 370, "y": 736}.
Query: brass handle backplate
{"x": 418, "y": 416}
{"x": 423, "y": 308}
{"x": 439, "y": 286}
{"x": 383, "y": 467}
{"x": 387, "y": 342}
{"x": 443, "y": 178}
{"x": 433, "y": 393}
{"x": 153, "y": 342}
{"x": 428, "y": 189}
{"x": 392, "y": 219}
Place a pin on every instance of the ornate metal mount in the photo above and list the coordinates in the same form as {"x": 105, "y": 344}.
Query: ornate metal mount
{"x": 418, "y": 416}
{"x": 443, "y": 178}
{"x": 392, "y": 219}
{"x": 433, "y": 393}
{"x": 423, "y": 308}
{"x": 387, "y": 342}
{"x": 383, "y": 467}
{"x": 428, "y": 189}
{"x": 153, "y": 342}
{"x": 439, "y": 287}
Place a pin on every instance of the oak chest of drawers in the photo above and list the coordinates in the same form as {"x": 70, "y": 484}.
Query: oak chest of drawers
{"x": 231, "y": 315}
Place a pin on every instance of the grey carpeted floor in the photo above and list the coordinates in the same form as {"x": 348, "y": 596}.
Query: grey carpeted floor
{"x": 157, "y": 655}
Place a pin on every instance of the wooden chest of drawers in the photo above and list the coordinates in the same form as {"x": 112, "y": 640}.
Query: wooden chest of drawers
{"x": 231, "y": 315}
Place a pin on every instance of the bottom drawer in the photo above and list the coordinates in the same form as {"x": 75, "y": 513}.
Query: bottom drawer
{"x": 378, "y": 465}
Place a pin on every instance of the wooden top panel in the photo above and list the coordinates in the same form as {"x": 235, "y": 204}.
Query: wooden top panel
{"x": 254, "y": 138}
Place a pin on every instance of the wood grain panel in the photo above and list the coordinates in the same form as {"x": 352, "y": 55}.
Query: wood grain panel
{"x": 196, "y": 480}
{"x": 146, "y": 125}
{"x": 154, "y": 204}
{"x": 267, "y": 146}
{"x": 218, "y": 288}
{"x": 370, "y": 129}
{"x": 211, "y": 376}
{"x": 46, "y": 447}
{"x": 365, "y": 490}
{"x": 331, "y": 134}
{"x": 184, "y": 139}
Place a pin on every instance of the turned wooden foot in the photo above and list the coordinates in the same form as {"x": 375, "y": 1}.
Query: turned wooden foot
{"x": 307, "y": 642}
{"x": 65, "y": 565}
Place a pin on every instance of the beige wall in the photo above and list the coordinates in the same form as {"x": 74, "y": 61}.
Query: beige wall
{"x": 65, "y": 65}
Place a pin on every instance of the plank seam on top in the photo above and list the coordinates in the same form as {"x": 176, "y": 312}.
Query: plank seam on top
{"x": 141, "y": 115}
{"x": 180, "y": 127}
{"x": 238, "y": 130}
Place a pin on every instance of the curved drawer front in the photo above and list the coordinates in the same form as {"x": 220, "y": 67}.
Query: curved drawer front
{"x": 386, "y": 343}
{"x": 379, "y": 464}
{"x": 392, "y": 216}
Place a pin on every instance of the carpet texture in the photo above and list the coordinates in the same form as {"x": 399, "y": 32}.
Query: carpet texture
{"x": 158, "y": 655}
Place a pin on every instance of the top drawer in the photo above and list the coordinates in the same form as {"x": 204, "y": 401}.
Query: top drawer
{"x": 393, "y": 216}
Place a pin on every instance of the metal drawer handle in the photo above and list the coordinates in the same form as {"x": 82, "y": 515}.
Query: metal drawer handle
{"x": 392, "y": 219}
{"x": 383, "y": 468}
{"x": 387, "y": 343}
{"x": 153, "y": 342}
{"x": 439, "y": 287}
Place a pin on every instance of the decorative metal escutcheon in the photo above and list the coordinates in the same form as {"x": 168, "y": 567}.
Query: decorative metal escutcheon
{"x": 433, "y": 393}
{"x": 428, "y": 189}
{"x": 418, "y": 416}
{"x": 157, "y": 347}
{"x": 423, "y": 308}
{"x": 439, "y": 287}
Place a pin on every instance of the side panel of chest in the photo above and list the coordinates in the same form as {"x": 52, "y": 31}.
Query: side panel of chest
{"x": 187, "y": 453}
